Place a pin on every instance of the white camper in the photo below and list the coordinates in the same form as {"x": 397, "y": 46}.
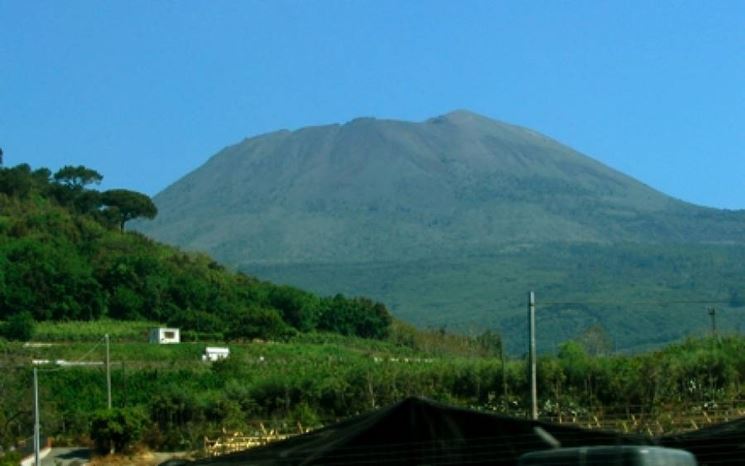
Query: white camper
{"x": 214, "y": 353}
{"x": 164, "y": 335}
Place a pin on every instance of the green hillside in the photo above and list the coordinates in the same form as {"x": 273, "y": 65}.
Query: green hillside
{"x": 451, "y": 221}
{"x": 64, "y": 256}
{"x": 642, "y": 295}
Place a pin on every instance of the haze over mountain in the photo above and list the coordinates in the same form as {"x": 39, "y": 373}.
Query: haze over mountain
{"x": 349, "y": 207}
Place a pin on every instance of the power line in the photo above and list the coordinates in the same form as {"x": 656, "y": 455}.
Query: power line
{"x": 80, "y": 359}
{"x": 629, "y": 303}
{"x": 475, "y": 316}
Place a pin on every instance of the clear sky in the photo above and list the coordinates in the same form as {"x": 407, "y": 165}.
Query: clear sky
{"x": 146, "y": 91}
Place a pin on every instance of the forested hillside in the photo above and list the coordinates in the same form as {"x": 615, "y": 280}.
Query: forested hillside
{"x": 643, "y": 295}
{"x": 65, "y": 255}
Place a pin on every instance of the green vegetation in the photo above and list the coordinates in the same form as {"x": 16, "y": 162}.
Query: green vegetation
{"x": 64, "y": 256}
{"x": 11, "y": 458}
{"x": 117, "y": 429}
{"x": 174, "y": 399}
{"x": 69, "y": 274}
{"x": 643, "y": 295}
{"x": 18, "y": 327}
{"x": 123, "y": 206}
{"x": 65, "y": 261}
{"x": 312, "y": 378}
{"x": 70, "y": 331}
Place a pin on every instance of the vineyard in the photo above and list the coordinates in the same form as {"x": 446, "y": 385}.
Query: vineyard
{"x": 667, "y": 420}
{"x": 318, "y": 379}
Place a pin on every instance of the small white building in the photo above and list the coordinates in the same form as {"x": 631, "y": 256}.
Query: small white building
{"x": 215, "y": 353}
{"x": 164, "y": 335}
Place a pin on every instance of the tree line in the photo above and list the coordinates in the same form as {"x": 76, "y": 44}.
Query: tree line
{"x": 64, "y": 255}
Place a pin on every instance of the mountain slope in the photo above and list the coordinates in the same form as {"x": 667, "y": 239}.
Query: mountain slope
{"x": 393, "y": 192}
{"x": 379, "y": 189}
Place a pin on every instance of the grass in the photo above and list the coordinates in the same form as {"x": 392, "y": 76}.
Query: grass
{"x": 93, "y": 330}
{"x": 83, "y": 341}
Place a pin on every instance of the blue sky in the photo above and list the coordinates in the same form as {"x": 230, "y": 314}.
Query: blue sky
{"x": 146, "y": 91}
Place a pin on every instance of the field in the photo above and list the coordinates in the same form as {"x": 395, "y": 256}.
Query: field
{"x": 316, "y": 379}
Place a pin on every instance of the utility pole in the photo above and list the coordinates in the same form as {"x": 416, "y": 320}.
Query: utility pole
{"x": 108, "y": 372}
{"x": 713, "y": 314}
{"x": 123, "y": 401}
{"x": 504, "y": 370}
{"x": 531, "y": 356}
{"x": 37, "y": 429}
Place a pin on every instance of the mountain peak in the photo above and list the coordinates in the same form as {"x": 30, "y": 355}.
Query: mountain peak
{"x": 361, "y": 120}
{"x": 462, "y": 113}
{"x": 461, "y": 117}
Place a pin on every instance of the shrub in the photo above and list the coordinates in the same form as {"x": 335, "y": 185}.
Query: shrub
{"x": 259, "y": 322}
{"x": 11, "y": 458}
{"x": 18, "y": 327}
{"x": 115, "y": 430}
